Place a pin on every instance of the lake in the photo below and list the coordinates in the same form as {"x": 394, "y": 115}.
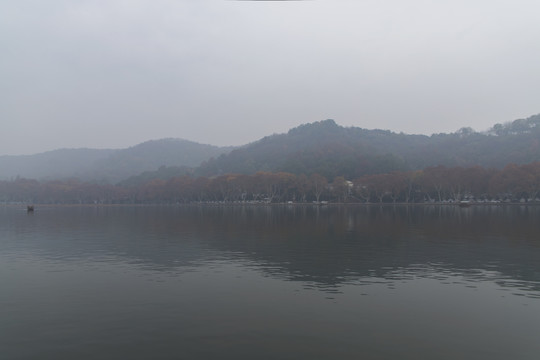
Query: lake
{"x": 270, "y": 282}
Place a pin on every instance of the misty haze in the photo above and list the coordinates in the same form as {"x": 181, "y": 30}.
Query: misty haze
{"x": 269, "y": 180}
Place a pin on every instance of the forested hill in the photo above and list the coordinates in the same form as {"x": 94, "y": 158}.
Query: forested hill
{"x": 321, "y": 147}
{"x": 152, "y": 155}
{"x": 331, "y": 150}
{"x": 108, "y": 166}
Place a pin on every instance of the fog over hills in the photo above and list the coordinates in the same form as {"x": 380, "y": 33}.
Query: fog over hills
{"x": 331, "y": 150}
{"x": 322, "y": 147}
{"x": 108, "y": 166}
{"x": 53, "y": 164}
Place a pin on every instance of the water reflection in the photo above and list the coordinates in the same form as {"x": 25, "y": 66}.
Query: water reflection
{"x": 269, "y": 283}
{"x": 322, "y": 247}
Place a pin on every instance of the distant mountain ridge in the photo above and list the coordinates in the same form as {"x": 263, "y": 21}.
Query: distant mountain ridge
{"x": 53, "y": 164}
{"x": 331, "y": 150}
{"x": 109, "y": 166}
{"x": 322, "y": 147}
{"x": 151, "y": 155}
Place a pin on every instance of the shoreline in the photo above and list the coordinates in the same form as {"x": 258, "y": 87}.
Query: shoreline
{"x": 239, "y": 204}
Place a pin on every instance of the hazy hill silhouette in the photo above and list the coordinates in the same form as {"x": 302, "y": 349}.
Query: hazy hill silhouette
{"x": 107, "y": 165}
{"x": 322, "y": 147}
{"x": 331, "y": 150}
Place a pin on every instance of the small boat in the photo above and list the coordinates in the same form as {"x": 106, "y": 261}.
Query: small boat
{"x": 464, "y": 204}
{"x": 30, "y": 208}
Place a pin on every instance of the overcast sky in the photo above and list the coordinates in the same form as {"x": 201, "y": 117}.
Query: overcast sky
{"x": 111, "y": 74}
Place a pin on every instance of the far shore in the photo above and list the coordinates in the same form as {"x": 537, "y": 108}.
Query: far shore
{"x": 262, "y": 204}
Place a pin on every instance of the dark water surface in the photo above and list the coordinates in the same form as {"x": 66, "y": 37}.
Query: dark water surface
{"x": 270, "y": 283}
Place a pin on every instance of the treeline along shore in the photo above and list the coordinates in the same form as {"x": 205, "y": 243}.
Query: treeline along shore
{"x": 513, "y": 183}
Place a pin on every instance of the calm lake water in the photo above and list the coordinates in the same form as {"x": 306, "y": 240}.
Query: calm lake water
{"x": 427, "y": 282}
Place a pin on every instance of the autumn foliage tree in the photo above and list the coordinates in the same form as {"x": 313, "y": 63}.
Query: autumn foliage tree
{"x": 512, "y": 183}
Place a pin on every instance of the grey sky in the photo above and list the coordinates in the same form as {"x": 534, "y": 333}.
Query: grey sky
{"x": 110, "y": 74}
